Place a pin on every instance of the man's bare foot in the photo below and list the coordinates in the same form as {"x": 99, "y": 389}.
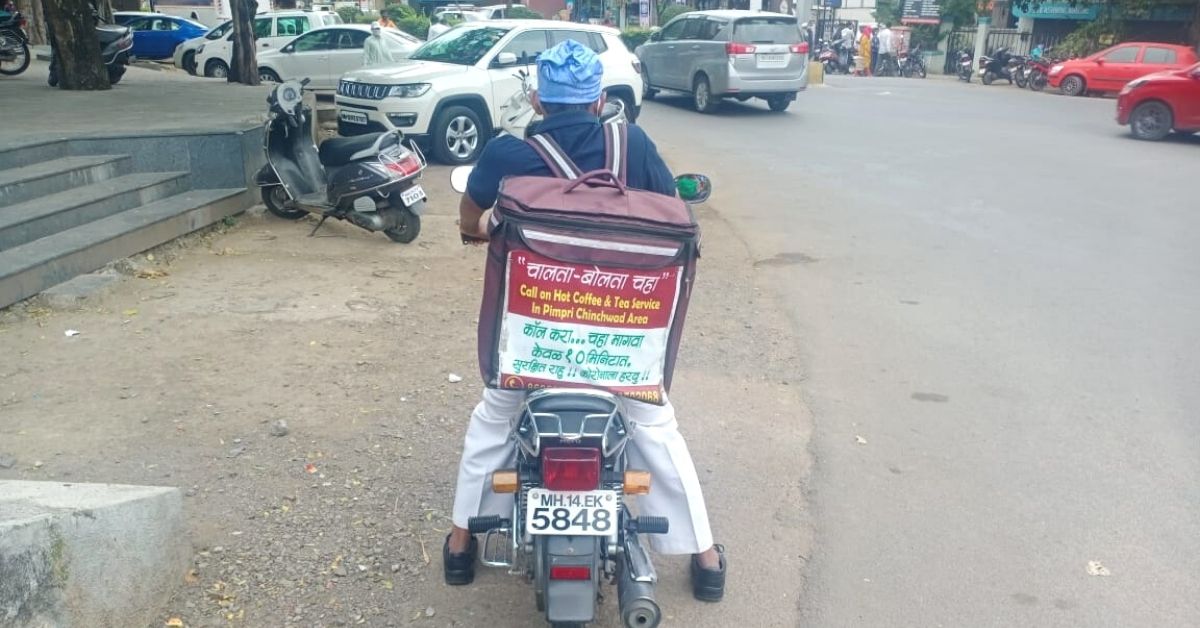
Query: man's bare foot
{"x": 460, "y": 541}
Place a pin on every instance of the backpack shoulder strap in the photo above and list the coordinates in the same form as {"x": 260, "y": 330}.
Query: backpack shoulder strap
{"x": 555, "y": 157}
{"x": 616, "y": 148}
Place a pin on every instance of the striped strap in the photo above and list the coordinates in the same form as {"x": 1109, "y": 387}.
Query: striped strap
{"x": 616, "y": 143}
{"x": 556, "y": 159}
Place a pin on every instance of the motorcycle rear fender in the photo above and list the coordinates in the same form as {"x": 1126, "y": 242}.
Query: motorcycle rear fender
{"x": 572, "y": 601}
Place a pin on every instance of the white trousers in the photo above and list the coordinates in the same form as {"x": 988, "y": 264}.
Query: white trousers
{"x": 655, "y": 446}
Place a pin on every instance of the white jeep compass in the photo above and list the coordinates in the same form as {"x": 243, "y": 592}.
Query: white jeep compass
{"x": 450, "y": 90}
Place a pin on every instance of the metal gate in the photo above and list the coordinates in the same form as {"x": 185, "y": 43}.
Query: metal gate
{"x": 1017, "y": 43}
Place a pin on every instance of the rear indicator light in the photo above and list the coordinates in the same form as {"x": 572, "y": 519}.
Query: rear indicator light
{"x": 505, "y": 481}
{"x": 733, "y": 48}
{"x": 800, "y": 48}
{"x": 571, "y": 468}
{"x": 570, "y": 572}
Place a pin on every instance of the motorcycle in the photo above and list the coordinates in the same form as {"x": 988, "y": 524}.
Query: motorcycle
{"x": 115, "y": 44}
{"x": 995, "y": 66}
{"x": 1039, "y": 73}
{"x": 14, "y": 44}
{"x": 831, "y": 60}
{"x": 1017, "y": 69}
{"x": 911, "y": 63}
{"x": 369, "y": 180}
{"x": 966, "y": 65}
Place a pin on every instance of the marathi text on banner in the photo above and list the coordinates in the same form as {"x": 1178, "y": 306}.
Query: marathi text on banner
{"x": 570, "y": 324}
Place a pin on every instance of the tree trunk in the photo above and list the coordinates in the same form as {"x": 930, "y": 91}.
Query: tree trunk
{"x": 36, "y": 29}
{"x": 244, "y": 62}
{"x": 1194, "y": 31}
{"x": 72, "y": 31}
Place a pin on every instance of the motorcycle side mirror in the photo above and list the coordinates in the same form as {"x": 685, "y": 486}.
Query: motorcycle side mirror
{"x": 693, "y": 188}
{"x": 458, "y": 178}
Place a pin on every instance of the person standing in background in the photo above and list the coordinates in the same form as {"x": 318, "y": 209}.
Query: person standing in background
{"x": 385, "y": 21}
{"x": 375, "y": 50}
{"x": 887, "y": 46}
{"x": 846, "y": 47}
{"x": 864, "y": 50}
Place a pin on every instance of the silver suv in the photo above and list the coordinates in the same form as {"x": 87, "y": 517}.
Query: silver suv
{"x": 728, "y": 54}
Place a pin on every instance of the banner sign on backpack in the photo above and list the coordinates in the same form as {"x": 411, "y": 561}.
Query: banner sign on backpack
{"x": 566, "y": 324}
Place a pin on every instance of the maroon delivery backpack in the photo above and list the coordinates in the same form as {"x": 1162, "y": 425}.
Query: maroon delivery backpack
{"x": 587, "y": 281}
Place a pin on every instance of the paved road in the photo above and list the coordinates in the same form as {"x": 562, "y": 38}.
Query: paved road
{"x": 997, "y": 291}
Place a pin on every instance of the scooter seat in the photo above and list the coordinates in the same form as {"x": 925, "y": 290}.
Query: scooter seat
{"x": 339, "y": 151}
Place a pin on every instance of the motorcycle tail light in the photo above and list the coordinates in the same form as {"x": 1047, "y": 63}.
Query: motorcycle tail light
{"x": 571, "y": 468}
{"x": 800, "y": 48}
{"x": 570, "y": 572}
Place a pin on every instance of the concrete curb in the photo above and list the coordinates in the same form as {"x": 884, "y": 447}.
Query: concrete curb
{"x": 88, "y": 554}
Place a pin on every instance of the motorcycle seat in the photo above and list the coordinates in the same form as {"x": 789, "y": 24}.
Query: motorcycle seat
{"x": 339, "y": 151}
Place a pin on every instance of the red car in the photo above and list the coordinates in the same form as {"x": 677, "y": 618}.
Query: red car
{"x": 1157, "y": 104}
{"x": 1109, "y": 70}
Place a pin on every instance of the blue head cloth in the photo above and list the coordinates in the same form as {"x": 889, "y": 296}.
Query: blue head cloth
{"x": 569, "y": 74}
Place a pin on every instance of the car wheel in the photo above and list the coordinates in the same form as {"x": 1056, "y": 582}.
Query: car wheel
{"x": 702, "y": 97}
{"x": 779, "y": 103}
{"x": 648, "y": 93}
{"x": 1073, "y": 85}
{"x": 1151, "y": 121}
{"x": 267, "y": 75}
{"x": 216, "y": 68}
{"x": 458, "y": 136}
{"x": 189, "y": 62}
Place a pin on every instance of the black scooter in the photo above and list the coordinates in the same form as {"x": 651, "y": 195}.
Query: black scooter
{"x": 115, "y": 44}
{"x": 996, "y": 66}
{"x": 369, "y": 180}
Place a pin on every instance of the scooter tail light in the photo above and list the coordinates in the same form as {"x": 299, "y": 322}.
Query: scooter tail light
{"x": 800, "y": 48}
{"x": 570, "y": 572}
{"x": 406, "y": 165}
{"x": 571, "y": 468}
{"x": 734, "y": 48}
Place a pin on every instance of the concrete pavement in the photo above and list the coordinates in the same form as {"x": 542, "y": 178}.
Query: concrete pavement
{"x": 994, "y": 294}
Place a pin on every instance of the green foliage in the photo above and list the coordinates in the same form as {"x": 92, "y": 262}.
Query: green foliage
{"x": 672, "y": 11}
{"x": 1090, "y": 37}
{"x": 350, "y": 15}
{"x": 400, "y": 11}
{"x": 523, "y": 13}
{"x": 962, "y": 13}
{"x": 634, "y": 37}
{"x": 415, "y": 25}
{"x": 887, "y": 12}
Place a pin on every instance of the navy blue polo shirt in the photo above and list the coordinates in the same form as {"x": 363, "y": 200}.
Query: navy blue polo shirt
{"x": 580, "y": 136}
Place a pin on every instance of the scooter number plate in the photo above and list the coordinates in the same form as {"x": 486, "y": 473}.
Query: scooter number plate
{"x": 575, "y": 513}
{"x": 412, "y": 196}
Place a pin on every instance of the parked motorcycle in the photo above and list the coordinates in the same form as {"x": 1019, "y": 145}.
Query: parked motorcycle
{"x": 995, "y": 66}
{"x": 14, "y": 44}
{"x": 830, "y": 59}
{"x": 115, "y": 44}
{"x": 966, "y": 65}
{"x": 1017, "y": 70}
{"x": 1039, "y": 73}
{"x": 570, "y": 527}
{"x": 911, "y": 63}
{"x": 369, "y": 180}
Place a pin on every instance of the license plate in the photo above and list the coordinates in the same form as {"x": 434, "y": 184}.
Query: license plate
{"x": 412, "y": 196}
{"x": 352, "y": 117}
{"x": 576, "y": 513}
{"x": 772, "y": 61}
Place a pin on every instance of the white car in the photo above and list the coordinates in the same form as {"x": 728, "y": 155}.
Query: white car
{"x": 185, "y": 54}
{"x": 271, "y": 31}
{"x": 450, "y": 90}
{"x": 498, "y": 11}
{"x": 323, "y": 55}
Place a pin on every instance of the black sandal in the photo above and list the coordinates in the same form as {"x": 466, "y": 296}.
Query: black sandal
{"x": 708, "y": 585}
{"x": 459, "y": 569}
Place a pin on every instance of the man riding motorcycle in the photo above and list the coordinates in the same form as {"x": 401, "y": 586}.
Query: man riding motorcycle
{"x": 570, "y": 97}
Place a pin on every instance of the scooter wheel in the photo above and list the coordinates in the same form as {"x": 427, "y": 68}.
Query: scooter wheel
{"x": 407, "y": 230}
{"x": 275, "y": 198}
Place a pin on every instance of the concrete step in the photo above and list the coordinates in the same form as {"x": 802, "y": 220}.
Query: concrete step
{"x": 40, "y": 217}
{"x": 30, "y": 268}
{"x": 18, "y": 185}
{"x": 32, "y": 154}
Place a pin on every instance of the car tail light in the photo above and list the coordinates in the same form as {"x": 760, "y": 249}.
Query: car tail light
{"x": 733, "y": 48}
{"x": 570, "y": 572}
{"x": 800, "y": 48}
{"x": 571, "y": 468}
{"x": 637, "y": 65}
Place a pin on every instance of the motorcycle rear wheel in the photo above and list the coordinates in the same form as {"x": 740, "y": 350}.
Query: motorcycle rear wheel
{"x": 115, "y": 72}
{"x": 988, "y": 78}
{"x": 407, "y": 228}
{"x": 22, "y": 62}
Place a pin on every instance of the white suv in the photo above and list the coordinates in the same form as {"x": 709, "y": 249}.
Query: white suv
{"x": 271, "y": 32}
{"x": 451, "y": 89}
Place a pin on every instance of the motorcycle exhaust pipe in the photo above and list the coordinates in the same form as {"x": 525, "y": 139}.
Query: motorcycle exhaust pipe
{"x": 371, "y": 221}
{"x": 636, "y": 599}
